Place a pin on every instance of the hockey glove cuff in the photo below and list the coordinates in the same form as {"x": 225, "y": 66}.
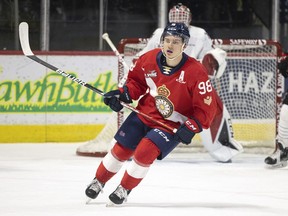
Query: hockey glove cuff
{"x": 187, "y": 131}
{"x": 113, "y": 98}
{"x": 125, "y": 96}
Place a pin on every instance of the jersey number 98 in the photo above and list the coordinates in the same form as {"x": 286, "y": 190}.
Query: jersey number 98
{"x": 205, "y": 87}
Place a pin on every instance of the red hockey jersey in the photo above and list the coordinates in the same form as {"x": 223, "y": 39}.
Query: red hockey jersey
{"x": 171, "y": 96}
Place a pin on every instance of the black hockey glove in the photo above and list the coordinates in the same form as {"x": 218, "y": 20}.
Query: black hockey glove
{"x": 187, "y": 131}
{"x": 113, "y": 98}
{"x": 283, "y": 67}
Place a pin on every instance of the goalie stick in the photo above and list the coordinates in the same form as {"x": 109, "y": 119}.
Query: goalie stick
{"x": 25, "y": 45}
{"x": 106, "y": 37}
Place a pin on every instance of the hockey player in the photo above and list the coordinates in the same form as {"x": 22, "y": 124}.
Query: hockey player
{"x": 280, "y": 156}
{"x": 173, "y": 89}
{"x": 218, "y": 139}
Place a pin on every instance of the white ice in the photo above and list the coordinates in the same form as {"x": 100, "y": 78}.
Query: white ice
{"x": 50, "y": 179}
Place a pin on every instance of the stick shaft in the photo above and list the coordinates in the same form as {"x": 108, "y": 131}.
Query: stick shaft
{"x": 106, "y": 37}
{"x": 24, "y": 40}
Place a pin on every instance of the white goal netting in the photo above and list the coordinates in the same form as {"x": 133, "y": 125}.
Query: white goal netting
{"x": 250, "y": 88}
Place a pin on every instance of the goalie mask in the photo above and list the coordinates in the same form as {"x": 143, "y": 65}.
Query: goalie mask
{"x": 176, "y": 29}
{"x": 180, "y": 14}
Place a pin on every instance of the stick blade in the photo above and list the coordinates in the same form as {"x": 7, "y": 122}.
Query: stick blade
{"x": 24, "y": 38}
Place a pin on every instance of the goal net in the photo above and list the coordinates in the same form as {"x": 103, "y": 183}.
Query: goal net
{"x": 250, "y": 88}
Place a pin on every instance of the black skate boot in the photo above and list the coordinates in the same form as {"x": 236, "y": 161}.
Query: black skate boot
{"x": 279, "y": 158}
{"x": 119, "y": 195}
{"x": 93, "y": 189}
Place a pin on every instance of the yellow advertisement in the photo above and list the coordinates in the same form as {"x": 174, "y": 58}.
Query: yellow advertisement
{"x": 39, "y": 105}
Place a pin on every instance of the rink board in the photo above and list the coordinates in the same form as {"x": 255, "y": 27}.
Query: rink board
{"x": 39, "y": 105}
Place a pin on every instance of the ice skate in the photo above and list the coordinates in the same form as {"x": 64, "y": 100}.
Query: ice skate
{"x": 118, "y": 196}
{"x": 93, "y": 189}
{"x": 279, "y": 158}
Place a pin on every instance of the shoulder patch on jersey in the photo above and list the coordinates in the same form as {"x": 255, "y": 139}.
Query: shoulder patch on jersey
{"x": 208, "y": 100}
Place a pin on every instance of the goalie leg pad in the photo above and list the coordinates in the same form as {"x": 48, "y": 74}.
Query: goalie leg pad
{"x": 218, "y": 139}
{"x": 219, "y": 151}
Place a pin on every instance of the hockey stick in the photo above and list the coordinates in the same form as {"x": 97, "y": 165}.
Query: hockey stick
{"x": 25, "y": 45}
{"x": 106, "y": 37}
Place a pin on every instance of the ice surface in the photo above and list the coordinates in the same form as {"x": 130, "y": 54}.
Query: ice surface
{"x": 50, "y": 179}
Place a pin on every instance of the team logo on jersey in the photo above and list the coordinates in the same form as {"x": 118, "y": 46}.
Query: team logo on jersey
{"x": 163, "y": 104}
{"x": 163, "y": 90}
{"x": 208, "y": 100}
{"x": 181, "y": 78}
{"x": 152, "y": 73}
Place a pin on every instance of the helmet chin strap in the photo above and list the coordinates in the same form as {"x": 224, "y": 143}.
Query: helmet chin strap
{"x": 172, "y": 59}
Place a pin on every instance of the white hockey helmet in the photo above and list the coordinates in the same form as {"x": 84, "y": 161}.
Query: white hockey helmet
{"x": 180, "y": 14}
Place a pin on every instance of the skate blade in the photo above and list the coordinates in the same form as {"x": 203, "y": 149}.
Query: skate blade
{"x": 282, "y": 164}
{"x": 110, "y": 204}
{"x": 88, "y": 201}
